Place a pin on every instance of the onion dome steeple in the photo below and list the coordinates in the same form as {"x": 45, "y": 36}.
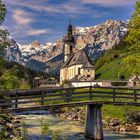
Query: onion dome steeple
{"x": 69, "y": 37}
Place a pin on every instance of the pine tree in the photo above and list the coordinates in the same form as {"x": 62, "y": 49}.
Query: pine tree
{"x": 2, "y": 11}
{"x": 3, "y": 33}
{"x": 133, "y": 41}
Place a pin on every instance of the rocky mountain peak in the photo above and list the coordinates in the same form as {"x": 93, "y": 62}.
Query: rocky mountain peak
{"x": 95, "y": 39}
{"x": 35, "y": 44}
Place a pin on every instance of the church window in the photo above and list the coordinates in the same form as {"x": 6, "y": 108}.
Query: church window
{"x": 79, "y": 71}
{"x": 70, "y": 49}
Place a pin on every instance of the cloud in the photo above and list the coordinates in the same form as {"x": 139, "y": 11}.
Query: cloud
{"x": 67, "y": 7}
{"x": 109, "y": 2}
{"x": 70, "y": 8}
{"x": 22, "y": 18}
{"x": 36, "y": 32}
{"x": 28, "y": 31}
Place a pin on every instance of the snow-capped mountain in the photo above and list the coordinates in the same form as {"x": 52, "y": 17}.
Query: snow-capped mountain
{"x": 12, "y": 51}
{"x": 96, "y": 40}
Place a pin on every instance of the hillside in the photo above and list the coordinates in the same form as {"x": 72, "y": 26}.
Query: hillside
{"x": 110, "y": 66}
{"x": 15, "y": 76}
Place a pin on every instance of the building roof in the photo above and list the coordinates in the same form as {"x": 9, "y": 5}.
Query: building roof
{"x": 134, "y": 77}
{"x": 78, "y": 57}
{"x": 79, "y": 78}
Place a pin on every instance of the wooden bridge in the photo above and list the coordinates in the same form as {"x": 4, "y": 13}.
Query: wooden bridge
{"x": 93, "y": 97}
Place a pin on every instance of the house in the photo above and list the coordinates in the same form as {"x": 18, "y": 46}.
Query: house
{"x": 77, "y": 65}
{"x": 134, "y": 81}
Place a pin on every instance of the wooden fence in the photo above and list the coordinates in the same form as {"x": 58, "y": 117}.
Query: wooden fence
{"x": 61, "y": 97}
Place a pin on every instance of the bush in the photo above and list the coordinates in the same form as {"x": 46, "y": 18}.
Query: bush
{"x": 116, "y": 56}
{"x": 119, "y": 83}
{"x": 122, "y": 77}
{"x": 133, "y": 117}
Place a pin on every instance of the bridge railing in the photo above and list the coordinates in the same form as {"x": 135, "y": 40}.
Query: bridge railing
{"x": 44, "y": 97}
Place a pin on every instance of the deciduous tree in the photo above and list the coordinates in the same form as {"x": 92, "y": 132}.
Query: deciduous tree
{"x": 133, "y": 41}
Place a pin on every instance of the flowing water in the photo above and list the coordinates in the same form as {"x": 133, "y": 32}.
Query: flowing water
{"x": 69, "y": 130}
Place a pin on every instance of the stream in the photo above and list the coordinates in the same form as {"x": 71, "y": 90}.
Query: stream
{"x": 69, "y": 130}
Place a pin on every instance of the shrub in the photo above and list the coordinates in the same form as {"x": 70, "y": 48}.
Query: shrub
{"x": 116, "y": 56}
{"x": 133, "y": 117}
{"x": 118, "y": 83}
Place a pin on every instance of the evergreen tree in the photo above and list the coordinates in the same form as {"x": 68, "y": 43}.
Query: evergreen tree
{"x": 133, "y": 41}
{"x": 3, "y": 33}
{"x": 2, "y": 11}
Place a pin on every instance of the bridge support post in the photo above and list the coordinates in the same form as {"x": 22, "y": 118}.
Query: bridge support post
{"x": 93, "y": 122}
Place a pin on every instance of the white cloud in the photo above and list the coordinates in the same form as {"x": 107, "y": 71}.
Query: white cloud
{"x": 21, "y": 17}
{"x": 67, "y": 7}
{"x": 109, "y": 2}
{"x": 35, "y": 32}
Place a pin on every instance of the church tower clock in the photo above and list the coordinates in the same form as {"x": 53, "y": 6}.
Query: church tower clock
{"x": 69, "y": 43}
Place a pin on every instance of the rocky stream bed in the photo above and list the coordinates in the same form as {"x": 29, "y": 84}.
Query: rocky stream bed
{"x": 69, "y": 126}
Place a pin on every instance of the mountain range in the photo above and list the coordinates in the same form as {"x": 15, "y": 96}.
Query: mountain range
{"x": 49, "y": 57}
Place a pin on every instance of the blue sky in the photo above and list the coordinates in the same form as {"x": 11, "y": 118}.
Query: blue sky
{"x": 47, "y": 20}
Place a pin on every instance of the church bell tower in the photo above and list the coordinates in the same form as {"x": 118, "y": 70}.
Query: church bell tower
{"x": 69, "y": 43}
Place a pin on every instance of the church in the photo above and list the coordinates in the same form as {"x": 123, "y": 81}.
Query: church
{"x": 77, "y": 65}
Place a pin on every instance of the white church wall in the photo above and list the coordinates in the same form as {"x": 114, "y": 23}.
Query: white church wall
{"x": 88, "y": 72}
{"x": 87, "y": 83}
{"x": 73, "y": 71}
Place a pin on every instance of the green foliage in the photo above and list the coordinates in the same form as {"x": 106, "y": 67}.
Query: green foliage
{"x": 120, "y": 112}
{"x": 119, "y": 83}
{"x": 2, "y": 11}
{"x": 3, "y": 43}
{"x": 24, "y": 84}
{"x": 56, "y": 135}
{"x": 133, "y": 63}
{"x": 133, "y": 41}
{"x": 127, "y": 63}
{"x": 114, "y": 68}
{"x": 24, "y": 131}
{"x": 3, "y": 33}
{"x": 132, "y": 116}
{"x": 133, "y": 36}
{"x": 45, "y": 130}
{"x": 8, "y": 81}
{"x": 102, "y": 60}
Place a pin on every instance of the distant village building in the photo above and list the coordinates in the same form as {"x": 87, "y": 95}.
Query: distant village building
{"x": 134, "y": 81}
{"x": 77, "y": 66}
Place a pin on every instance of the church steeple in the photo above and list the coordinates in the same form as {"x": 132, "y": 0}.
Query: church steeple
{"x": 70, "y": 37}
{"x": 69, "y": 42}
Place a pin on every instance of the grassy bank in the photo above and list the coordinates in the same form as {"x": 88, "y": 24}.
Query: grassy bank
{"x": 111, "y": 67}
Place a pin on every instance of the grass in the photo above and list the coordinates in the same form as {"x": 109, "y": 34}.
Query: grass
{"x": 118, "y": 112}
{"x": 110, "y": 67}
{"x": 109, "y": 111}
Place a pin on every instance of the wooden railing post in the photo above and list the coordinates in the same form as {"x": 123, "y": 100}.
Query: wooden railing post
{"x": 114, "y": 96}
{"x": 16, "y": 100}
{"x": 90, "y": 92}
{"x": 42, "y": 98}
